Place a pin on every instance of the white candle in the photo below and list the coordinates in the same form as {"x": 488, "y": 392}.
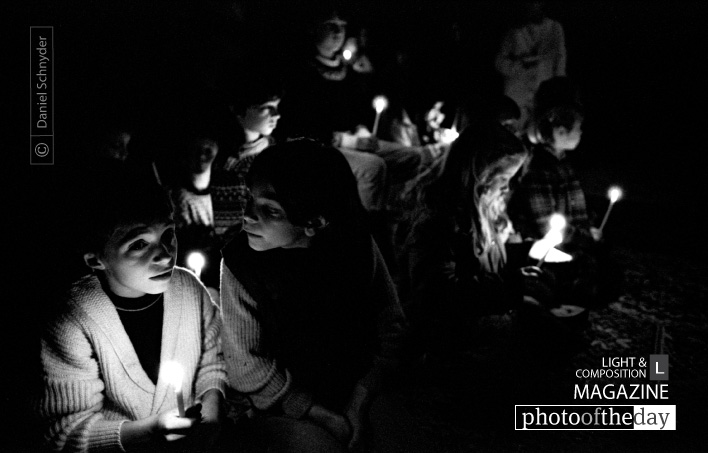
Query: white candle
{"x": 380, "y": 103}
{"x": 614, "y": 194}
{"x": 196, "y": 261}
{"x": 554, "y": 236}
{"x": 174, "y": 375}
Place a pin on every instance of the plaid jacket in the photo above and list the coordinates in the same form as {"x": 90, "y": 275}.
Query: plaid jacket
{"x": 549, "y": 186}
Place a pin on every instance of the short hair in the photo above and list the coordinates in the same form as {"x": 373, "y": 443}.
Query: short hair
{"x": 255, "y": 88}
{"x": 310, "y": 180}
{"x": 558, "y": 103}
{"x": 117, "y": 195}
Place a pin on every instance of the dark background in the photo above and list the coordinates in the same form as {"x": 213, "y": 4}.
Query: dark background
{"x": 641, "y": 67}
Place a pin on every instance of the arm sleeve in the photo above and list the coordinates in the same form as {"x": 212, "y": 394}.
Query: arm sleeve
{"x": 252, "y": 369}
{"x": 72, "y": 394}
{"x": 211, "y": 373}
{"x": 559, "y": 68}
{"x": 391, "y": 324}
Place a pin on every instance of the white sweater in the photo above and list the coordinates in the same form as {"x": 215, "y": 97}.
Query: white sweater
{"x": 93, "y": 380}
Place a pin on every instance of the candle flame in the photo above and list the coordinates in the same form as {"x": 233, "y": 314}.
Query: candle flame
{"x": 196, "y": 261}
{"x": 173, "y": 374}
{"x": 615, "y": 193}
{"x": 347, "y": 54}
{"x": 557, "y": 222}
{"x": 448, "y": 135}
{"x": 380, "y": 103}
{"x": 543, "y": 247}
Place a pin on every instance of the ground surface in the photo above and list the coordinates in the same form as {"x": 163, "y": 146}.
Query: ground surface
{"x": 464, "y": 401}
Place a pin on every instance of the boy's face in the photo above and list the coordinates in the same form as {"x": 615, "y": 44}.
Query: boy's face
{"x": 330, "y": 36}
{"x": 564, "y": 139}
{"x": 266, "y": 223}
{"x": 138, "y": 259}
{"x": 261, "y": 119}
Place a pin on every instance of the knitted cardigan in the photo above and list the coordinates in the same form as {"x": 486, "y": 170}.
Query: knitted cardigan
{"x": 92, "y": 378}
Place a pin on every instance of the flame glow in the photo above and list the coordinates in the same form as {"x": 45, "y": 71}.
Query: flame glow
{"x": 173, "y": 374}
{"x": 196, "y": 261}
{"x": 380, "y": 103}
{"x": 615, "y": 193}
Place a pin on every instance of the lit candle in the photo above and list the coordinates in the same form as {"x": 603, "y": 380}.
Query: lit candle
{"x": 554, "y": 236}
{"x": 347, "y": 54}
{"x": 196, "y": 261}
{"x": 174, "y": 374}
{"x": 380, "y": 103}
{"x": 448, "y": 136}
{"x": 614, "y": 194}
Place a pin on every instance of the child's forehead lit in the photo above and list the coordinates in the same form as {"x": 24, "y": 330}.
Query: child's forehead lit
{"x": 127, "y": 232}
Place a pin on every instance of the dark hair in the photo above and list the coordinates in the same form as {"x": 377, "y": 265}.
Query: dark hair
{"x": 557, "y": 103}
{"x": 255, "y": 88}
{"x": 311, "y": 180}
{"x": 116, "y": 195}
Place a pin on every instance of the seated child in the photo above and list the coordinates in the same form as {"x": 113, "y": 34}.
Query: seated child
{"x": 455, "y": 253}
{"x": 256, "y": 103}
{"x": 312, "y": 323}
{"x": 103, "y": 355}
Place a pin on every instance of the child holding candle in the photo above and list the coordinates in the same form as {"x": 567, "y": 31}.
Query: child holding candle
{"x": 103, "y": 386}
{"x": 455, "y": 250}
{"x": 549, "y": 185}
{"x": 311, "y": 319}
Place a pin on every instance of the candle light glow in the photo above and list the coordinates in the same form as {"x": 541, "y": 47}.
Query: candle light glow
{"x": 196, "y": 262}
{"x": 614, "y": 194}
{"x": 347, "y": 54}
{"x": 448, "y": 136}
{"x": 553, "y": 237}
{"x": 380, "y": 103}
{"x": 174, "y": 374}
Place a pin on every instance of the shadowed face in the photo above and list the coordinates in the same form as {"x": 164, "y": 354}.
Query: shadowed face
{"x": 330, "y": 35}
{"x": 266, "y": 222}
{"x": 261, "y": 119}
{"x": 566, "y": 140}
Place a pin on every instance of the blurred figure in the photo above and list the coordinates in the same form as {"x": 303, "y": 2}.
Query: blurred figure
{"x": 529, "y": 54}
{"x": 455, "y": 253}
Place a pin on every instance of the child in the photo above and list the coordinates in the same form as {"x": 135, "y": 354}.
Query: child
{"x": 311, "y": 319}
{"x": 256, "y": 107}
{"x": 104, "y": 354}
{"x": 549, "y": 184}
{"x": 455, "y": 249}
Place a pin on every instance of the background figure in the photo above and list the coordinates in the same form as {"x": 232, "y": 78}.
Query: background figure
{"x": 529, "y": 54}
{"x": 255, "y": 106}
{"x": 455, "y": 253}
{"x": 311, "y": 321}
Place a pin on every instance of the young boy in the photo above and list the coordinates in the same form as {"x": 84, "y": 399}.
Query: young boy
{"x": 255, "y": 106}
{"x": 104, "y": 354}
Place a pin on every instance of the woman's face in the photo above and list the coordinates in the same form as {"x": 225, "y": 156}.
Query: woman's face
{"x": 266, "y": 223}
{"x": 330, "y": 36}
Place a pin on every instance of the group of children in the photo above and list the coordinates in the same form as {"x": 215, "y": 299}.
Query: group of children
{"x": 297, "y": 315}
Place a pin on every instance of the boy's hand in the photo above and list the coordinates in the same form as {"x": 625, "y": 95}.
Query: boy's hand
{"x": 369, "y": 144}
{"x": 596, "y": 234}
{"x": 357, "y": 414}
{"x": 334, "y": 423}
{"x": 170, "y": 427}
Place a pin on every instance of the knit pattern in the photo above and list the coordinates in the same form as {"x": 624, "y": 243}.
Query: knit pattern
{"x": 92, "y": 378}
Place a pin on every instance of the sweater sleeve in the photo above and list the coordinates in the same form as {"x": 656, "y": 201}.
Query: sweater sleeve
{"x": 211, "y": 373}
{"x": 391, "y": 325}
{"x": 72, "y": 396}
{"x": 252, "y": 369}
